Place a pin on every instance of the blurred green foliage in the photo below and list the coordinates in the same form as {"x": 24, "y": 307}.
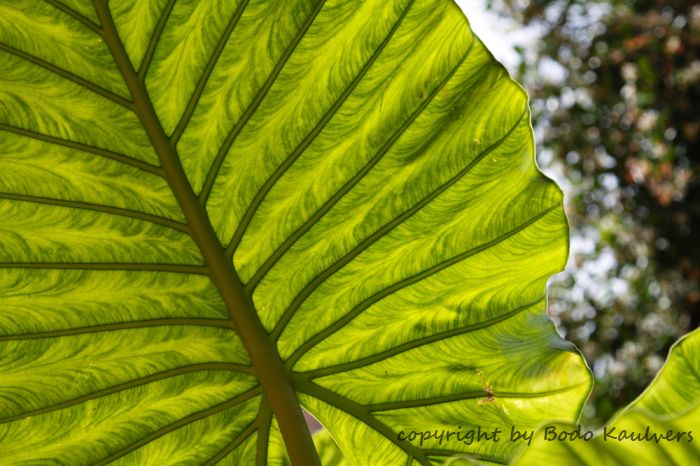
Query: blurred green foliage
{"x": 616, "y": 98}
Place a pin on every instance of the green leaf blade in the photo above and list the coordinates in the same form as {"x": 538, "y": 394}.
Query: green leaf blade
{"x": 137, "y": 23}
{"x": 99, "y": 125}
{"x": 41, "y": 368}
{"x": 49, "y": 34}
{"x": 363, "y": 191}
{"x": 94, "y": 430}
{"x": 80, "y": 177}
{"x": 232, "y": 90}
{"x": 659, "y": 427}
{"x": 678, "y": 384}
{"x": 187, "y": 40}
{"x": 288, "y": 120}
{"x": 51, "y": 300}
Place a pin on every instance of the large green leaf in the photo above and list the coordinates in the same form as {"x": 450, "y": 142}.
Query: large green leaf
{"x": 660, "y": 427}
{"x": 215, "y": 211}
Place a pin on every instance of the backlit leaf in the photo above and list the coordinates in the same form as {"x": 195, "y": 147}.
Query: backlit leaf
{"x": 659, "y": 427}
{"x": 215, "y": 212}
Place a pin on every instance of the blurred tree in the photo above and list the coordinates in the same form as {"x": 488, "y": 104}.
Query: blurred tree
{"x": 615, "y": 89}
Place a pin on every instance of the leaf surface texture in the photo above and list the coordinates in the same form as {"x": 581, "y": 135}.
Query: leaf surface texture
{"x": 360, "y": 174}
{"x": 659, "y": 427}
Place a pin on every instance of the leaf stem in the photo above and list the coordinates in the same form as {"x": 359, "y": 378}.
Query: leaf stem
{"x": 274, "y": 378}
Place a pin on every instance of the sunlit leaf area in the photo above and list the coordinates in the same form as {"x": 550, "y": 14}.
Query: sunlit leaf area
{"x": 615, "y": 87}
{"x": 321, "y": 232}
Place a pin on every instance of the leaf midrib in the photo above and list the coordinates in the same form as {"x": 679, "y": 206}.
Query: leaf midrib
{"x": 274, "y": 378}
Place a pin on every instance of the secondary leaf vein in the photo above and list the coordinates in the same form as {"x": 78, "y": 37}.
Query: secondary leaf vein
{"x": 99, "y": 208}
{"x": 208, "y": 69}
{"x": 202, "y": 367}
{"x": 125, "y": 159}
{"x": 134, "y": 324}
{"x": 449, "y": 452}
{"x": 75, "y": 15}
{"x": 153, "y": 42}
{"x": 264, "y": 425}
{"x": 109, "y": 95}
{"x": 404, "y": 404}
{"x": 175, "y": 268}
{"x": 360, "y": 413}
{"x": 179, "y": 424}
{"x": 413, "y": 344}
{"x": 233, "y": 444}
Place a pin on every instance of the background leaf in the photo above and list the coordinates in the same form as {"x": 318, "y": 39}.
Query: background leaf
{"x": 670, "y": 406}
{"x": 215, "y": 210}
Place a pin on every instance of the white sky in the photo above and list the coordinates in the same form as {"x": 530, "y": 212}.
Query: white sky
{"x": 499, "y": 34}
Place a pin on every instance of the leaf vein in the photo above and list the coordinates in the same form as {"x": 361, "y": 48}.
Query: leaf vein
{"x": 264, "y": 426}
{"x": 99, "y": 208}
{"x": 134, "y": 324}
{"x": 202, "y": 367}
{"x": 404, "y": 404}
{"x": 147, "y": 267}
{"x": 233, "y": 444}
{"x": 689, "y": 364}
{"x": 179, "y": 424}
{"x": 155, "y": 38}
{"x": 413, "y": 344}
{"x": 117, "y": 99}
{"x": 360, "y": 413}
{"x": 450, "y": 452}
{"x": 264, "y": 356}
{"x": 125, "y": 159}
{"x": 75, "y": 15}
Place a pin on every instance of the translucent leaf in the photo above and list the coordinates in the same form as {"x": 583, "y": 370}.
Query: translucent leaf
{"x": 659, "y": 427}
{"x": 215, "y": 212}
